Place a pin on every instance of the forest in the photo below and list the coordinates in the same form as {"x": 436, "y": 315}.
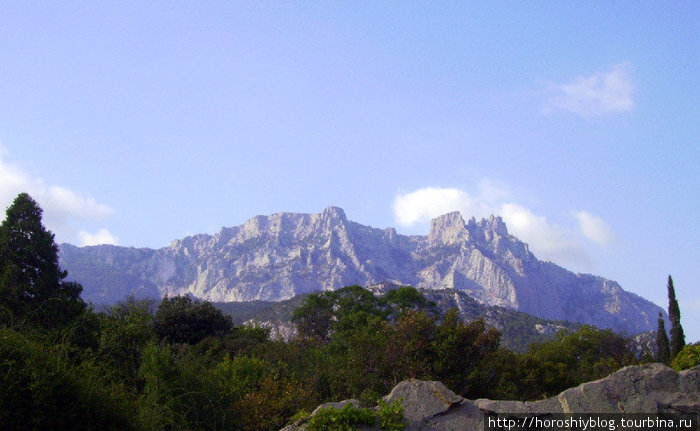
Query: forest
{"x": 183, "y": 364}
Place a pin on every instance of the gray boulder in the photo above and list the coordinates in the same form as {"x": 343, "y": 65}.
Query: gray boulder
{"x": 651, "y": 388}
{"x": 422, "y": 400}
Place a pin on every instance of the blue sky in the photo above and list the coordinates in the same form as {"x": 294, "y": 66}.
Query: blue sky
{"x": 141, "y": 122}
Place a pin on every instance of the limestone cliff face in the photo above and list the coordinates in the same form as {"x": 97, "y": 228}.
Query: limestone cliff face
{"x": 282, "y": 255}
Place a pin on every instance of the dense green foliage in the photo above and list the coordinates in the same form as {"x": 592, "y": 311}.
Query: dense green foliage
{"x": 688, "y": 357}
{"x": 184, "y": 366}
{"x": 674, "y": 315}
{"x": 126, "y": 375}
{"x": 32, "y": 286}
{"x": 181, "y": 320}
{"x": 389, "y": 417}
{"x": 347, "y": 418}
{"x": 663, "y": 351}
{"x": 44, "y": 389}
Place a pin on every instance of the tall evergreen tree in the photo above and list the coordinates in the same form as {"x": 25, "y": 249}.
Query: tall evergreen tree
{"x": 32, "y": 285}
{"x": 674, "y": 315}
{"x": 663, "y": 354}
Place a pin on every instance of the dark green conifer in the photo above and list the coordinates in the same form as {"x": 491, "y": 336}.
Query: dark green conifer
{"x": 674, "y": 315}
{"x": 662, "y": 349}
{"x": 32, "y": 285}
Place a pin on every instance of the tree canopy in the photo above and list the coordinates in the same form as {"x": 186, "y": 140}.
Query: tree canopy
{"x": 663, "y": 353}
{"x": 181, "y": 320}
{"x": 32, "y": 285}
{"x": 674, "y": 315}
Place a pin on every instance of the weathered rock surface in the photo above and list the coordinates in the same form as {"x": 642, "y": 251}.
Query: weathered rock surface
{"x": 652, "y": 388}
{"x": 282, "y": 255}
{"x": 422, "y": 399}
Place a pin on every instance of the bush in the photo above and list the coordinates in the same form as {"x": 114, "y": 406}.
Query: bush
{"x": 43, "y": 390}
{"x": 349, "y": 418}
{"x": 687, "y": 358}
{"x": 391, "y": 416}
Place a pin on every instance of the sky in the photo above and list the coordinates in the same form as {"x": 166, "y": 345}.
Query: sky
{"x": 138, "y": 123}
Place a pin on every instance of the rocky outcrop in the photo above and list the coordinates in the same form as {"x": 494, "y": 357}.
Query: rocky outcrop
{"x": 652, "y": 388}
{"x": 283, "y": 255}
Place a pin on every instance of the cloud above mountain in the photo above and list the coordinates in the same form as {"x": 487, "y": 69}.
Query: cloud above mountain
{"x": 66, "y": 212}
{"x": 602, "y": 93}
{"x": 594, "y": 228}
{"x": 562, "y": 244}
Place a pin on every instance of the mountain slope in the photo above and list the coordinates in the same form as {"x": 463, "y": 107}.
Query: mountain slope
{"x": 282, "y": 255}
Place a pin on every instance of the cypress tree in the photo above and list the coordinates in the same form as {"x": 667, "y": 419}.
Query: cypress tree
{"x": 32, "y": 285}
{"x": 662, "y": 349}
{"x": 674, "y": 315}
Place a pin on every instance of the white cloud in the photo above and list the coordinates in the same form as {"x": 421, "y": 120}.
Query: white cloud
{"x": 68, "y": 201}
{"x": 610, "y": 92}
{"x": 594, "y": 228}
{"x": 426, "y": 203}
{"x": 102, "y": 236}
{"x": 64, "y": 209}
{"x": 548, "y": 240}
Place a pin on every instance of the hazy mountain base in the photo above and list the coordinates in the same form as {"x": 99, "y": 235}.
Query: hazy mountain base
{"x": 283, "y": 255}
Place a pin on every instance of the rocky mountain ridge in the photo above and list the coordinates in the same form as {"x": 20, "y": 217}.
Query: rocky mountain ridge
{"x": 282, "y": 255}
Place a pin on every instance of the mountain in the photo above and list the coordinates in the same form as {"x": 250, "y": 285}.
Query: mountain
{"x": 279, "y": 256}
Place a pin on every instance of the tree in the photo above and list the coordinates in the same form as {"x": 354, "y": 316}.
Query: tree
{"x": 181, "y": 320}
{"x": 571, "y": 359}
{"x": 663, "y": 353}
{"x": 32, "y": 285}
{"x": 126, "y": 330}
{"x": 313, "y": 318}
{"x": 674, "y": 315}
{"x": 460, "y": 348}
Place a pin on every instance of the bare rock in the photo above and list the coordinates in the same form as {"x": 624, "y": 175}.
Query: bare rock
{"x": 423, "y": 400}
{"x": 335, "y": 405}
{"x": 651, "y": 388}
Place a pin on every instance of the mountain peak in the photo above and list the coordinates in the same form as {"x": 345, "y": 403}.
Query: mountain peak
{"x": 448, "y": 229}
{"x": 494, "y": 223}
{"x": 334, "y": 213}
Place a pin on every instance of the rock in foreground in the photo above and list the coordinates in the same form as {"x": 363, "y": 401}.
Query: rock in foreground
{"x": 652, "y": 388}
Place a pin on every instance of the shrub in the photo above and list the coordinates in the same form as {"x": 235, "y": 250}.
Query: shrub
{"x": 391, "y": 416}
{"x": 349, "y": 418}
{"x": 687, "y": 358}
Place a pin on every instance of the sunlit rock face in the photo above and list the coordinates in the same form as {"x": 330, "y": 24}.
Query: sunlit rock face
{"x": 282, "y": 255}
